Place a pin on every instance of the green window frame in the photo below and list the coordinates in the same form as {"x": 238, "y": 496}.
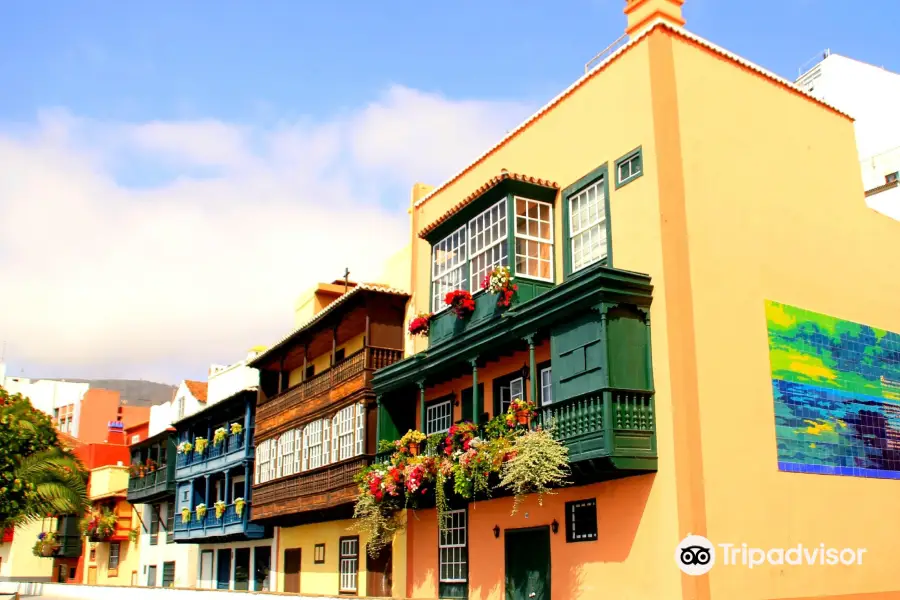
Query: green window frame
{"x": 629, "y": 167}
{"x": 583, "y": 226}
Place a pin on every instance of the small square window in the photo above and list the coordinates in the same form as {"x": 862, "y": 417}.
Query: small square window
{"x": 319, "y": 557}
{"x": 891, "y": 177}
{"x": 581, "y": 520}
{"x": 629, "y": 167}
{"x": 339, "y": 355}
{"x": 310, "y": 371}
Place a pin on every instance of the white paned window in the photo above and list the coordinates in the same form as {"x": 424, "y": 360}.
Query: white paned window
{"x": 273, "y": 458}
{"x": 345, "y": 416}
{"x": 335, "y": 424}
{"x": 438, "y": 417}
{"x": 534, "y": 239}
{"x": 508, "y": 393}
{"x": 349, "y": 564}
{"x": 287, "y": 453}
{"x": 360, "y": 427}
{"x": 453, "y": 553}
{"x": 262, "y": 462}
{"x": 326, "y": 441}
{"x": 487, "y": 247}
{"x": 546, "y": 386}
{"x": 305, "y": 460}
{"x": 448, "y": 267}
{"x": 298, "y": 449}
{"x": 587, "y": 225}
{"x": 313, "y": 431}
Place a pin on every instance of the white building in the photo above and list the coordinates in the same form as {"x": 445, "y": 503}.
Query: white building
{"x": 59, "y": 399}
{"x": 870, "y": 94}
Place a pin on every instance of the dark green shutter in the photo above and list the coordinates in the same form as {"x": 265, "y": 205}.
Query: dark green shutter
{"x": 578, "y": 355}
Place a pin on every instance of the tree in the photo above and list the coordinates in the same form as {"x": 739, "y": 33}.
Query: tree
{"x": 38, "y": 476}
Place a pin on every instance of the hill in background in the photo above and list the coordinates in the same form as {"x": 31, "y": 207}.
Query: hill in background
{"x": 135, "y": 392}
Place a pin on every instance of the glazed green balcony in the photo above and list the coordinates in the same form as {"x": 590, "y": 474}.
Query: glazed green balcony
{"x": 145, "y": 485}
{"x": 69, "y": 538}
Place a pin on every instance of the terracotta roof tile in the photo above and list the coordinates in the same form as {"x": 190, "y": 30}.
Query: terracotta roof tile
{"x": 197, "y": 389}
{"x": 490, "y": 183}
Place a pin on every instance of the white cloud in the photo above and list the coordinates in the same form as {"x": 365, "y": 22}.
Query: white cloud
{"x": 101, "y": 278}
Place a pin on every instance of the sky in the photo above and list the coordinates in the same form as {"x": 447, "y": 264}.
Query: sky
{"x": 173, "y": 174}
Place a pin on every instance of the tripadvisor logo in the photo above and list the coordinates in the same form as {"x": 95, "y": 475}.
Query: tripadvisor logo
{"x": 696, "y": 555}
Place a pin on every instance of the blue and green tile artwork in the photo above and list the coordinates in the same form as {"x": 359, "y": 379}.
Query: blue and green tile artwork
{"x": 837, "y": 394}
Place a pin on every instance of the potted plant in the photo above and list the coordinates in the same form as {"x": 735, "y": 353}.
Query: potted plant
{"x": 134, "y": 469}
{"x": 500, "y": 282}
{"x": 47, "y": 544}
{"x": 220, "y": 509}
{"x": 411, "y": 441}
{"x": 239, "y": 504}
{"x": 184, "y": 447}
{"x": 200, "y": 445}
{"x": 519, "y": 412}
{"x": 151, "y": 465}
{"x": 185, "y": 515}
{"x": 236, "y": 429}
{"x": 219, "y": 436}
{"x": 420, "y": 324}
{"x": 142, "y": 470}
{"x": 201, "y": 511}
{"x": 133, "y": 534}
{"x": 460, "y": 302}
{"x": 100, "y": 526}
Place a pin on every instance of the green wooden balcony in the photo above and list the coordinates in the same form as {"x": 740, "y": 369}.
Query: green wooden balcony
{"x": 610, "y": 428}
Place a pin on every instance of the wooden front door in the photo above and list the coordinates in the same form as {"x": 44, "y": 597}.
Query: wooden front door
{"x": 92, "y": 575}
{"x": 528, "y": 564}
{"x": 380, "y": 578}
{"x": 292, "y": 571}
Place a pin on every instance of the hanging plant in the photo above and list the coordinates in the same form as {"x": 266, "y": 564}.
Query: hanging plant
{"x": 236, "y": 428}
{"x": 520, "y": 412}
{"x": 134, "y": 534}
{"x": 460, "y": 302}
{"x": 184, "y": 447}
{"x": 500, "y": 283}
{"x": 537, "y": 463}
{"x": 420, "y": 324}
{"x": 134, "y": 469}
{"x": 151, "y": 465}
{"x": 185, "y": 515}
{"x": 200, "y": 445}
{"x": 99, "y": 525}
{"x": 220, "y": 509}
{"x": 239, "y": 504}
{"x": 201, "y": 511}
{"x": 219, "y": 436}
{"x": 46, "y": 545}
{"x": 411, "y": 440}
{"x": 375, "y": 521}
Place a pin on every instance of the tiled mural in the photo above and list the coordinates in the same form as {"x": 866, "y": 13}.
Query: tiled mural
{"x": 837, "y": 394}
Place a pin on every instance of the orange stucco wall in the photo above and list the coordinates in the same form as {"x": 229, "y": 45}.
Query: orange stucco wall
{"x": 759, "y": 230}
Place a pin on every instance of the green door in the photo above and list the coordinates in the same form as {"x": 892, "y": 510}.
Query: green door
{"x": 528, "y": 564}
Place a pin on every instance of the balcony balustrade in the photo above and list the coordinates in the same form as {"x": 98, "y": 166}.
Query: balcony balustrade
{"x": 316, "y": 489}
{"x": 209, "y": 526}
{"x": 231, "y": 451}
{"x": 157, "y": 483}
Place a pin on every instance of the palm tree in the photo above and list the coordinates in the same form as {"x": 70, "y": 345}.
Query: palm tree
{"x": 38, "y": 477}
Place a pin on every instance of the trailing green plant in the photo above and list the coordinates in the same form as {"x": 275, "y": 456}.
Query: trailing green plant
{"x": 236, "y": 428}
{"x": 201, "y": 511}
{"x": 537, "y": 462}
{"x": 239, "y": 504}
{"x": 38, "y": 476}
{"x": 219, "y": 436}
{"x": 134, "y": 534}
{"x": 200, "y": 445}
{"x": 100, "y": 525}
{"x": 46, "y": 545}
{"x": 185, "y": 515}
{"x": 376, "y": 521}
{"x": 185, "y": 448}
{"x": 220, "y": 509}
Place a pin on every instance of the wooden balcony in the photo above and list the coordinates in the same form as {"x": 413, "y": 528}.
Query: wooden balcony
{"x": 308, "y": 397}
{"x": 152, "y": 486}
{"x": 314, "y": 490}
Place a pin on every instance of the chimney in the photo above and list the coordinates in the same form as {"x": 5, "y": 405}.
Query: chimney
{"x": 642, "y": 12}
{"x": 116, "y": 433}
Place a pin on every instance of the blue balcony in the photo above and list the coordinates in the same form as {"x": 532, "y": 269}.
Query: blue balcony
{"x": 229, "y": 453}
{"x": 230, "y": 525}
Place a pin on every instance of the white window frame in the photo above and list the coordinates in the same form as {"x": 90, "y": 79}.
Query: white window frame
{"x": 348, "y": 570}
{"x": 345, "y": 436}
{"x": 530, "y": 238}
{"x": 360, "y": 429}
{"x": 629, "y": 160}
{"x": 584, "y": 229}
{"x": 460, "y": 263}
{"x": 507, "y": 391}
{"x": 313, "y": 432}
{"x": 502, "y": 223}
{"x": 436, "y": 414}
{"x": 452, "y": 547}
{"x": 546, "y": 385}
{"x": 286, "y": 445}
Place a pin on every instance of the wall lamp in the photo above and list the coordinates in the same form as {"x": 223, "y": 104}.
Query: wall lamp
{"x": 554, "y": 526}
{"x": 497, "y": 531}
{"x": 525, "y": 372}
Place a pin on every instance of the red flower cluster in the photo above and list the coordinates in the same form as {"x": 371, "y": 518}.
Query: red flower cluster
{"x": 460, "y": 302}
{"x": 459, "y": 438}
{"x": 420, "y": 325}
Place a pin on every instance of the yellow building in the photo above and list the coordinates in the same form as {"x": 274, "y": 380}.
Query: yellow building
{"x": 677, "y": 184}
{"x": 111, "y": 548}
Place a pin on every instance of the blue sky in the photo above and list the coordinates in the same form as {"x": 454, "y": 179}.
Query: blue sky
{"x": 172, "y": 170}
{"x": 281, "y": 58}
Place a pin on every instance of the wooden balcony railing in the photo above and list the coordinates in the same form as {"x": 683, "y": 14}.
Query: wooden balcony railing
{"x": 369, "y": 358}
{"x": 309, "y": 490}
